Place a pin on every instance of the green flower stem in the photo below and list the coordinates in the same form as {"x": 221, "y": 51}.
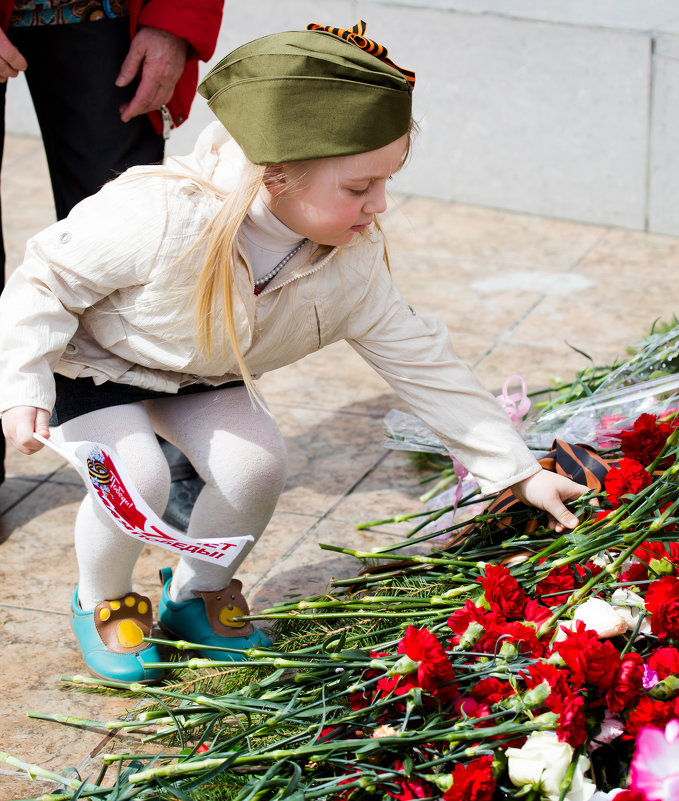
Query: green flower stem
{"x": 417, "y": 558}
{"x": 342, "y": 604}
{"x": 84, "y": 723}
{"x": 36, "y": 770}
{"x": 169, "y": 726}
{"x": 448, "y": 477}
{"x": 567, "y": 780}
{"x": 320, "y": 750}
{"x": 556, "y": 544}
{"x": 669, "y": 444}
{"x": 154, "y": 692}
{"x": 388, "y": 520}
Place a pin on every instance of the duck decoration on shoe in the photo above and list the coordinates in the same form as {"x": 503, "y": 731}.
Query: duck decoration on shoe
{"x": 212, "y": 619}
{"x": 111, "y": 638}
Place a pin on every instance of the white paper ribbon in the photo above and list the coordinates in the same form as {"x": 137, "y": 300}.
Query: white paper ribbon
{"x": 106, "y": 479}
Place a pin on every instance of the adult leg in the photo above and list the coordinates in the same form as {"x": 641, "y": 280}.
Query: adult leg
{"x": 238, "y": 451}
{"x": 3, "y": 88}
{"x": 71, "y": 75}
{"x": 106, "y": 555}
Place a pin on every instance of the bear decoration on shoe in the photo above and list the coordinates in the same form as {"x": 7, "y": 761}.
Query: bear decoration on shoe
{"x": 224, "y": 608}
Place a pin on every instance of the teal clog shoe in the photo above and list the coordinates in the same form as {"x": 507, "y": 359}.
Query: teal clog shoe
{"x": 111, "y": 638}
{"x": 212, "y": 618}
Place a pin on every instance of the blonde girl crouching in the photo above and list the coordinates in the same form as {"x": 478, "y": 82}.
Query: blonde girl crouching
{"x": 152, "y": 308}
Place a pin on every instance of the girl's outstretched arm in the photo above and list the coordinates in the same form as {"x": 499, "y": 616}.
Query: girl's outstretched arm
{"x": 549, "y": 491}
{"x": 19, "y": 423}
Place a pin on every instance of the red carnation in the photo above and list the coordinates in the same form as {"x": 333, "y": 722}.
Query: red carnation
{"x": 556, "y": 587}
{"x": 395, "y": 685}
{"x": 569, "y": 706}
{"x": 657, "y": 550}
{"x": 572, "y": 720}
{"x": 503, "y": 592}
{"x": 491, "y": 690}
{"x": 646, "y": 440}
{"x": 636, "y": 574}
{"x": 467, "y": 707}
{"x": 589, "y": 659}
{"x": 409, "y": 786}
{"x": 645, "y": 553}
{"x": 434, "y": 673}
{"x": 629, "y": 477}
{"x": 662, "y": 601}
{"x": 648, "y": 712}
{"x": 665, "y": 662}
{"x": 524, "y": 638}
{"x": 534, "y": 613}
{"x": 472, "y": 782}
{"x": 627, "y": 684}
{"x": 461, "y": 619}
{"x": 631, "y": 795}
{"x": 543, "y": 671}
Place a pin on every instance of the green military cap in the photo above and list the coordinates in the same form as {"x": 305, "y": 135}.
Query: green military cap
{"x": 310, "y": 94}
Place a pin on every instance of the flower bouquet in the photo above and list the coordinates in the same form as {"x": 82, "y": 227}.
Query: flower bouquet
{"x": 507, "y": 662}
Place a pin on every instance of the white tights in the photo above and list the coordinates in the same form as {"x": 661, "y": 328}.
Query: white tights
{"x": 235, "y": 447}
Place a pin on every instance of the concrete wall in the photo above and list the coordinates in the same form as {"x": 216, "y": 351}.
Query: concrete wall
{"x": 561, "y": 108}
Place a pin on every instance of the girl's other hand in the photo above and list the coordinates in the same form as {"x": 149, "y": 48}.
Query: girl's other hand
{"x": 550, "y": 491}
{"x": 19, "y": 423}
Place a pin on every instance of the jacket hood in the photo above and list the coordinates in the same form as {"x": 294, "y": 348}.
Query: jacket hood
{"x": 216, "y": 157}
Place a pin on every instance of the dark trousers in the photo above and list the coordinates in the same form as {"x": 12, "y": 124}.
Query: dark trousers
{"x": 71, "y": 76}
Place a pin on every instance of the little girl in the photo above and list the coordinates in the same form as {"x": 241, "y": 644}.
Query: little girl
{"x": 152, "y": 308}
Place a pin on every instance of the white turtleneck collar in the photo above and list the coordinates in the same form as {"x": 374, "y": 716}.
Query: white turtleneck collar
{"x": 268, "y": 239}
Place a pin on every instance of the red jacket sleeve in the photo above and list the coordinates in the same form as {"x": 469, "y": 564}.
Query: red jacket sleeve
{"x": 196, "y": 21}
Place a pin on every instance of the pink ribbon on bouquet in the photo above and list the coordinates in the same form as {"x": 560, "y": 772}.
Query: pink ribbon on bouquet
{"x": 461, "y": 472}
{"x": 518, "y": 403}
{"x": 516, "y": 406}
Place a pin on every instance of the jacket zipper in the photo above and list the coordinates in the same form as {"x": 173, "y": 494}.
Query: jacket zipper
{"x": 168, "y": 122}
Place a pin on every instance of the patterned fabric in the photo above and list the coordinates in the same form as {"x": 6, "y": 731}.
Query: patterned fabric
{"x": 28, "y": 13}
{"x": 580, "y": 463}
{"x": 355, "y": 36}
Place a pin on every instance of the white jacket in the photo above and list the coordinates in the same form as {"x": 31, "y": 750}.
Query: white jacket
{"x": 105, "y": 293}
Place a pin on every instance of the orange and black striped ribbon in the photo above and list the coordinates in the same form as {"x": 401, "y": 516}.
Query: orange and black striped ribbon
{"x": 581, "y": 463}
{"x": 356, "y": 37}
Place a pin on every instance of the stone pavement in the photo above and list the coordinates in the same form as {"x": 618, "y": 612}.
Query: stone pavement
{"x": 515, "y": 290}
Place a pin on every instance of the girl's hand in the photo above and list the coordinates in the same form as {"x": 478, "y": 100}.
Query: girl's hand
{"x": 549, "y": 491}
{"x": 19, "y": 423}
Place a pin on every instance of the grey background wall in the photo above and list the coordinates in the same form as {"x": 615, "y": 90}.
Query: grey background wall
{"x": 561, "y": 108}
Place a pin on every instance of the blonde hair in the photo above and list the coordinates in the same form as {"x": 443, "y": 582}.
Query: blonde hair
{"x": 216, "y": 280}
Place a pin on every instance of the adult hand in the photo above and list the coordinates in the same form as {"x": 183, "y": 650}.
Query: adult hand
{"x": 158, "y": 59}
{"x": 19, "y": 423}
{"x": 549, "y": 491}
{"x": 11, "y": 60}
